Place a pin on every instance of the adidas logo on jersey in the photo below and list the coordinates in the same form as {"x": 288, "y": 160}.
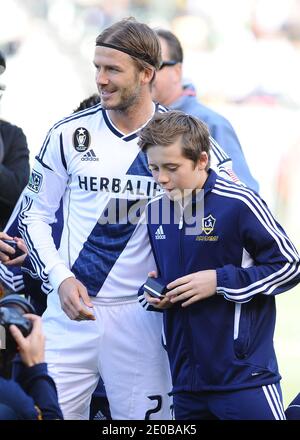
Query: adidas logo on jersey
{"x": 90, "y": 155}
{"x": 159, "y": 234}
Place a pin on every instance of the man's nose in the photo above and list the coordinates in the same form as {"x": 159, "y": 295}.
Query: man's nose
{"x": 101, "y": 77}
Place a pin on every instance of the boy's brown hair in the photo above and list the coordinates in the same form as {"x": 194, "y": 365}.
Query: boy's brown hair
{"x": 165, "y": 128}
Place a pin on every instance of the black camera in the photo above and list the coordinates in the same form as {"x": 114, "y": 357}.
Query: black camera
{"x": 12, "y": 309}
{"x": 18, "y": 251}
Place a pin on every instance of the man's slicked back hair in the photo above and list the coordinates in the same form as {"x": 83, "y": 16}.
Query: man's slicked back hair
{"x": 136, "y": 37}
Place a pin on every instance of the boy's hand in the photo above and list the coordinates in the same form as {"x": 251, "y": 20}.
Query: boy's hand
{"x": 193, "y": 287}
{"x": 156, "y": 302}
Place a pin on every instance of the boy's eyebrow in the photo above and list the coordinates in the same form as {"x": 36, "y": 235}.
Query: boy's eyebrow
{"x": 164, "y": 164}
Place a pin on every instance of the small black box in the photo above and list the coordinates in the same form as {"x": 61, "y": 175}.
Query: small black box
{"x": 155, "y": 288}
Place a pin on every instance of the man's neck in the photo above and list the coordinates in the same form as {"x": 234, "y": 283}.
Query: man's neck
{"x": 134, "y": 117}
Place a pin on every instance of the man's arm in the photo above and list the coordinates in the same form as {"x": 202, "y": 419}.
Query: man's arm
{"x": 41, "y": 200}
{"x": 46, "y": 187}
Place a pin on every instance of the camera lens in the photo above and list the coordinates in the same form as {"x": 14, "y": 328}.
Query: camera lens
{"x": 17, "y": 302}
{"x": 12, "y": 309}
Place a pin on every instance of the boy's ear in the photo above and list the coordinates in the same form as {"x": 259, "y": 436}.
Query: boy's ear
{"x": 203, "y": 161}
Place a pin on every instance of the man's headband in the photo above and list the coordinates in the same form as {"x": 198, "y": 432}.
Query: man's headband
{"x": 132, "y": 53}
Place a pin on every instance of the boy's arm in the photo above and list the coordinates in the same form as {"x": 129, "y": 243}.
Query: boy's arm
{"x": 270, "y": 261}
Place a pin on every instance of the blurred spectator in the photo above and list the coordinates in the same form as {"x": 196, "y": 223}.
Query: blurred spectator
{"x": 14, "y": 24}
{"x": 31, "y": 393}
{"x": 169, "y": 91}
{"x": 14, "y": 164}
{"x": 2, "y": 63}
{"x": 2, "y": 69}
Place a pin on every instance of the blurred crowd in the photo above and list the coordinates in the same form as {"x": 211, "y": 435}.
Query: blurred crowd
{"x": 238, "y": 55}
{"x": 256, "y": 51}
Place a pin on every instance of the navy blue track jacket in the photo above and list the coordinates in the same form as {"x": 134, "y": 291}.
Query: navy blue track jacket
{"x": 224, "y": 342}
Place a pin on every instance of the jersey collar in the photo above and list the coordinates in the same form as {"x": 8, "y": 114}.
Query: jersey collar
{"x": 125, "y": 137}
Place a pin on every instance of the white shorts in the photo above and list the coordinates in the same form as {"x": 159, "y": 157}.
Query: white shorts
{"x": 123, "y": 345}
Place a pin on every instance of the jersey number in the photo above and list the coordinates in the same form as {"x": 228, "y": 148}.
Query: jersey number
{"x": 156, "y": 409}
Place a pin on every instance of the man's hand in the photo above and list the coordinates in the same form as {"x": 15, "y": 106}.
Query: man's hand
{"x": 163, "y": 303}
{"x": 73, "y": 298}
{"x": 193, "y": 287}
{"x": 5, "y": 249}
{"x": 32, "y": 347}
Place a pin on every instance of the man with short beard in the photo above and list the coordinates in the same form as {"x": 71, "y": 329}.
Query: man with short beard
{"x": 93, "y": 322}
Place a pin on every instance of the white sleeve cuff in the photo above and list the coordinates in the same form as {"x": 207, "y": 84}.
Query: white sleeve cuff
{"x": 58, "y": 274}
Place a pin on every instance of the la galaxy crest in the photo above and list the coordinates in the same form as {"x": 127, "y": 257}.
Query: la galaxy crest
{"x": 81, "y": 139}
{"x": 208, "y": 224}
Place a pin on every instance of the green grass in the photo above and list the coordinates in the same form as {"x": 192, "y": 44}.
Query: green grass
{"x": 287, "y": 342}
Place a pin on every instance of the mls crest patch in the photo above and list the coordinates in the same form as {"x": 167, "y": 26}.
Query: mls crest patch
{"x": 81, "y": 139}
{"x": 35, "y": 181}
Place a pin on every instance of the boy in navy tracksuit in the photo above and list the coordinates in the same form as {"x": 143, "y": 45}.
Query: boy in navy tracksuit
{"x": 223, "y": 258}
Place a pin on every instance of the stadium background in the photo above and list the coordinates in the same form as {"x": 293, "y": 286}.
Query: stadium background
{"x": 243, "y": 58}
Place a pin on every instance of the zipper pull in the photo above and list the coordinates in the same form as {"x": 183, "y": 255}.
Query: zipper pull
{"x": 180, "y": 225}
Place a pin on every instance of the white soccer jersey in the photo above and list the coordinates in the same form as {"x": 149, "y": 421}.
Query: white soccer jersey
{"x": 102, "y": 177}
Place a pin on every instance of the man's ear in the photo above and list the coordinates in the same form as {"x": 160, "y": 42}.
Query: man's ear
{"x": 147, "y": 75}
